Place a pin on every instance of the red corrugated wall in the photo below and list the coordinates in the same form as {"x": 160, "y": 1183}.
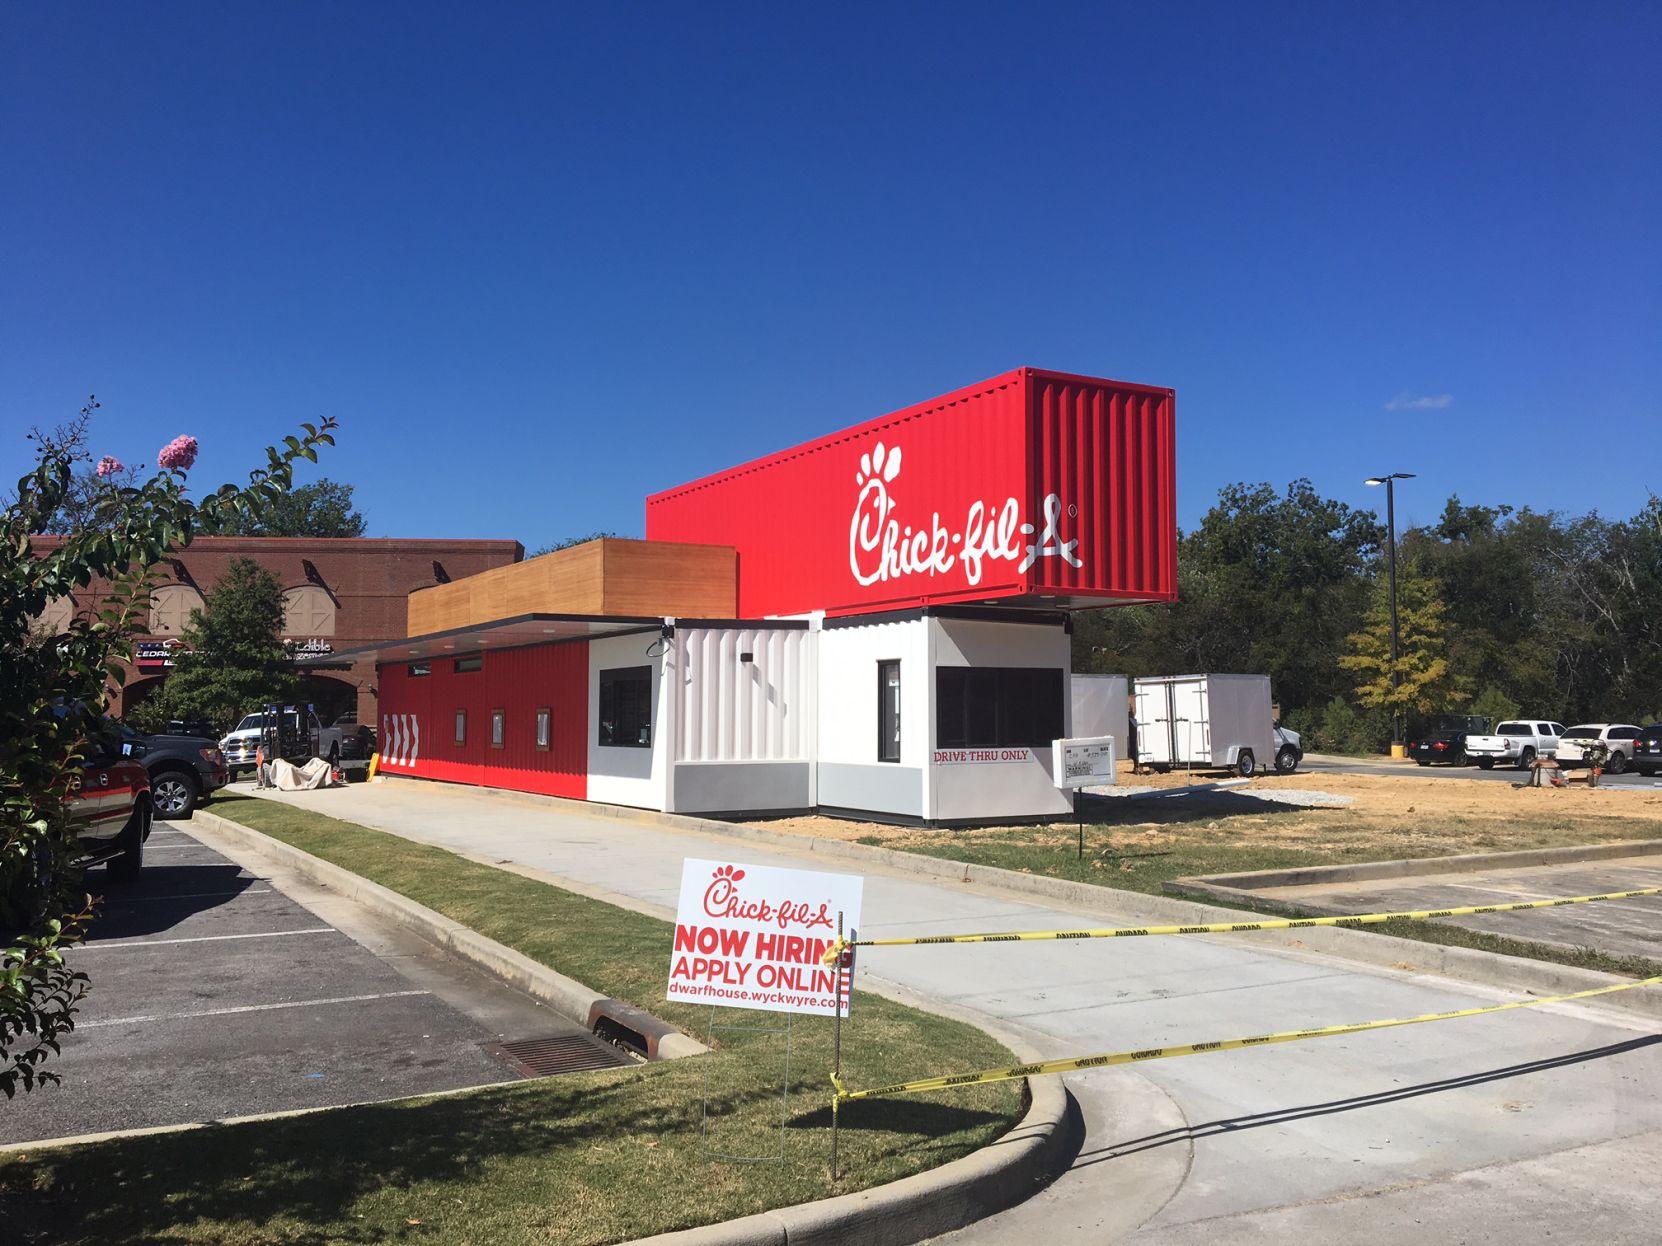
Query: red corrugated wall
{"x": 516, "y": 681}
{"x": 1109, "y": 450}
{"x": 1103, "y": 448}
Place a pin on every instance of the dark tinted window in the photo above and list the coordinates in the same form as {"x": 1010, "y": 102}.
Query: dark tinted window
{"x": 1515, "y": 729}
{"x": 1010, "y": 707}
{"x": 1624, "y": 733}
{"x": 888, "y": 711}
{"x": 463, "y": 665}
{"x": 626, "y": 707}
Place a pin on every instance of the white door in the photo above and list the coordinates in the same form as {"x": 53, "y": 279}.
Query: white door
{"x": 1191, "y": 723}
{"x": 1155, "y": 745}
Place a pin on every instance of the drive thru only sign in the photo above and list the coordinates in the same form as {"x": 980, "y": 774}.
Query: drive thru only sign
{"x": 752, "y": 936}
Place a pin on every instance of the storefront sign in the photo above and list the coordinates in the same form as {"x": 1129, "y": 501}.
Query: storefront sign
{"x": 882, "y": 547}
{"x": 980, "y": 756}
{"x": 153, "y": 653}
{"x": 308, "y": 648}
{"x": 1083, "y": 762}
{"x": 752, "y": 936}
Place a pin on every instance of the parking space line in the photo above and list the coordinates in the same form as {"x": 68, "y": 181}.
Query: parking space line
{"x": 225, "y": 1012}
{"x": 191, "y": 895}
{"x": 264, "y": 934}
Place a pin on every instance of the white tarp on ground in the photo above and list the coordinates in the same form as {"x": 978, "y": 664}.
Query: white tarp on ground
{"x": 288, "y": 777}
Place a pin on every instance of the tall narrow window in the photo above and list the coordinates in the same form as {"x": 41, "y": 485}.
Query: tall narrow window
{"x": 461, "y": 726}
{"x": 888, "y": 711}
{"x": 544, "y": 717}
{"x": 499, "y": 727}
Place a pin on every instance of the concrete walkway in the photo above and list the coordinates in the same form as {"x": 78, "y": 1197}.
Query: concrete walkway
{"x": 1556, "y": 1101}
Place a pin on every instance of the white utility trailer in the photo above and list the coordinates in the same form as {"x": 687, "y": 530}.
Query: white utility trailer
{"x": 1101, "y": 708}
{"x": 1207, "y": 722}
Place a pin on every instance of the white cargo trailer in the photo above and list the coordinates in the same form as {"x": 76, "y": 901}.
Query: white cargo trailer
{"x": 1101, "y": 708}
{"x": 1210, "y": 722}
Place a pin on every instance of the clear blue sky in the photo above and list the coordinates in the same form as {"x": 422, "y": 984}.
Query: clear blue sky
{"x": 541, "y": 260}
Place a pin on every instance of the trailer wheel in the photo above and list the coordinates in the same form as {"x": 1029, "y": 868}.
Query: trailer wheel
{"x": 1246, "y": 765}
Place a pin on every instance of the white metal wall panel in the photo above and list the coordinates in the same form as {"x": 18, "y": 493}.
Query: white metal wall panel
{"x": 744, "y": 711}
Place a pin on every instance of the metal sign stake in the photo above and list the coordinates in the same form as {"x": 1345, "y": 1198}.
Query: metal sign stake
{"x": 837, "y": 1048}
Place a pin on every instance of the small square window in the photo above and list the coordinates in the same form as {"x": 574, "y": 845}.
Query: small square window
{"x": 544, "y": 727}
{"x": 461, "y": 726}
{"x": 499, "y": 727}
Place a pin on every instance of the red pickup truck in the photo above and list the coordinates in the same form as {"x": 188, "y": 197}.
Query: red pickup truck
{"x": 110, "y": 801}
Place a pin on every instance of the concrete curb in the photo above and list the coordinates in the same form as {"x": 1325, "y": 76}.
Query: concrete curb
{"x": 568, "y": 997}
{"x": 1001, "y": 1174}
{"x": 1491, "y": 969}
{"x": 1222, "y": 884}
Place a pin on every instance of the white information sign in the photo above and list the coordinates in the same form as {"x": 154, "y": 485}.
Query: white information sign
{"x": 753, "y": 936}
{"x": 1083, "y": 762}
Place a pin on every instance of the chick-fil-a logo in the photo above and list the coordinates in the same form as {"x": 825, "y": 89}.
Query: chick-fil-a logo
{"x": 881, "y": 548}
{"x": 722, "y": 899}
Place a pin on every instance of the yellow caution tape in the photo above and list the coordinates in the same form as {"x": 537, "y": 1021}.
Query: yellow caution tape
{"x": 1194, "y": 1049}
{"x": 1291, "y": 923}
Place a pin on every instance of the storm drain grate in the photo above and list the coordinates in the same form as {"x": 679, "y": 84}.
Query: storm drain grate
{"x": 546, "y": 1057}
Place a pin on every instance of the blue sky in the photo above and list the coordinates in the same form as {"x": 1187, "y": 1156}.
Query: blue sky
{"x": 541, "y": 260}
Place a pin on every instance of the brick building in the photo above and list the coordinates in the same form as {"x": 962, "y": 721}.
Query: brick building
{"x": 339, "y": 594}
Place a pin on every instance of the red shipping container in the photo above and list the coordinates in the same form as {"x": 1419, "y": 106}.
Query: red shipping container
{"x": 1039, "y": 485}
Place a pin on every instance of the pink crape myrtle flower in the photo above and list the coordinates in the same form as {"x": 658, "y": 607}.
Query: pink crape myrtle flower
{"x": 177, "y": 454}
{"x": 108, "y": 466}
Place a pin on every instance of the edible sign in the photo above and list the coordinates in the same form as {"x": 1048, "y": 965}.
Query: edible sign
{"x": 752, "y": 936}
{"x": 1083, "y": 762}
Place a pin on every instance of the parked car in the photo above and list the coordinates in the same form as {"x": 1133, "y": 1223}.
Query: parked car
{"x": 110, "y": 805}
{"x": 1618, "y": 739}
{"x": 1517, "y": 742}
{"x": 184, "y": 769}
{"x": 1444, "y": 738}
{"x": 242, "y": 741}
{"x": 1647, "y": 750}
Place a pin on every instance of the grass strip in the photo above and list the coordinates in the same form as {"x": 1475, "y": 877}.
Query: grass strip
{"x": 581, "y": 1159}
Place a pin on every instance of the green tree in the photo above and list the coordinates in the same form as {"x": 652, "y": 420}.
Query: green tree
{"x": 52, "y": 689}
{"x": 1423, "y": 679}
{"x": 1495, "y": 705}
{"x": 231, "y": 659}
{"x": 322, "y": 508}
{"x": 568, "y": 542}
{"x": 1267, "y": 583}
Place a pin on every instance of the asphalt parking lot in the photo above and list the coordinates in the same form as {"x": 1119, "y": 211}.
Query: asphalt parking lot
{"x": 1324, "y": 763}
{"x": 217, "y": 994}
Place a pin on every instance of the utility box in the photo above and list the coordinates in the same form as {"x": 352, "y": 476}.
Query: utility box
{"x": 1210, "y": 722}
{"x": 1100, "y": 708}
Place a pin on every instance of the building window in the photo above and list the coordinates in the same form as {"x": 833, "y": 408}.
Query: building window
{"x": 499, "y": 726}
{"x": 992, "y": 707}
{"x": 461, "y": 726}
{"x": 626, "y": 707}
{"x": 888, "y": 711}
{"x": 544, "y": 719}
{"x": 308, "y": 611}
{"x": 418, "y": 669}
{"x": 463, "y": 665}
{"x": 170, "y": 608}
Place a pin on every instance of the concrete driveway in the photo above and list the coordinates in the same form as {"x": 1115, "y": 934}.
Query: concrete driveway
{"x": 216, "y": 992}
{"x": 1560, "y": 1101}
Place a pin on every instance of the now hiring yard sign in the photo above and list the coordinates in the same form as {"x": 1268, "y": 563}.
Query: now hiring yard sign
{"x": 754, "y": 936}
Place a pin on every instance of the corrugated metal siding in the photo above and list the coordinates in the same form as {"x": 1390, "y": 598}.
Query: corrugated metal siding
{"x": 516, "y": 681}
{"x": 1108, "y": 452}
{"x": 1105, "y": 449}
{"x": 744, "y": 711}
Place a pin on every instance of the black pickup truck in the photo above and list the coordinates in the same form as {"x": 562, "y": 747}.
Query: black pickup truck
{"x": 183, "y": 769}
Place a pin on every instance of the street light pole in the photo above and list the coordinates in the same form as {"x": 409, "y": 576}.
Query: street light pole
{"x": 1389, "y": 481}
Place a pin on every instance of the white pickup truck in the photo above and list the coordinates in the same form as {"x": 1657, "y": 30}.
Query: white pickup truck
{"x": 1516, "y": 742}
